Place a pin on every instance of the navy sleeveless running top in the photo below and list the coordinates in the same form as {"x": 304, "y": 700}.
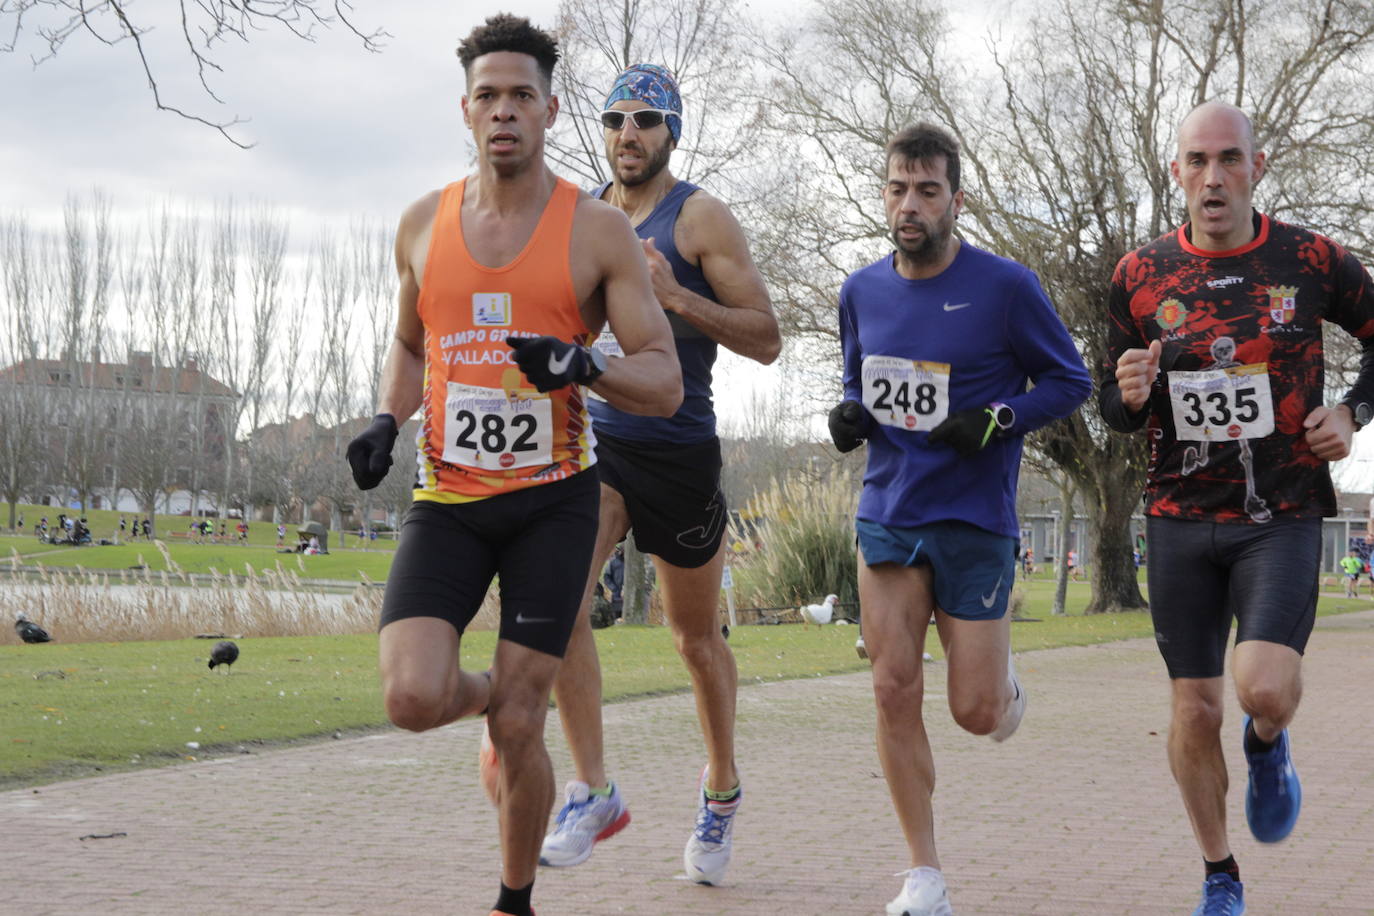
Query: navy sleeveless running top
{"x": 695, "y": 420}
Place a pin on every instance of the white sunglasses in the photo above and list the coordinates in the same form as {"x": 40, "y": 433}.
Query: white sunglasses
{"x": 644, "y": 118}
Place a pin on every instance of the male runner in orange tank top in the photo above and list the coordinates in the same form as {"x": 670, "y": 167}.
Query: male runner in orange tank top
{"x": 503, "y": 277}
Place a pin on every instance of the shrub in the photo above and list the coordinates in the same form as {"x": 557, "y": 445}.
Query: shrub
{"x": 806, "y": 532}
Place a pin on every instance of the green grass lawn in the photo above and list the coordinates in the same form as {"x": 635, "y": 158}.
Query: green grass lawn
{"x": 104, "y": 523}
{"x": 74, "y": 710}
{"x": 341, "y": 564}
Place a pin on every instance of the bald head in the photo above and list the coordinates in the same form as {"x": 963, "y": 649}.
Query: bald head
{"x": 1214, "y": 118}
{"x": 1217, "y": 168}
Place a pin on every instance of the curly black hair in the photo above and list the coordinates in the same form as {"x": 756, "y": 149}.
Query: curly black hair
{"x": 504, "y": 32}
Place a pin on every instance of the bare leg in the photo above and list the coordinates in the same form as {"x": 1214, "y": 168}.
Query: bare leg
{"x": 692, "y": 600}
{"x": 521, "y": 681}
{"x": 1197, "y": 761}
{"x": 422, "y": 686}
{"x": 578, "y": 686}
{"x": 897, "y": 605}
{"x": 1268, "y": 679}
{"x": 978, "y": 682}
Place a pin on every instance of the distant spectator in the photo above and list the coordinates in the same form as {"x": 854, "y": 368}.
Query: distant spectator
{"x": 614, "y": 580}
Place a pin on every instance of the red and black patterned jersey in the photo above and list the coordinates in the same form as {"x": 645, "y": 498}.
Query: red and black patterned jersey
{"x": 1240, "y": 369}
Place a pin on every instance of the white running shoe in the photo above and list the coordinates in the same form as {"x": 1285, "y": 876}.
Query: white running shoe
{"x": 585, "y": 820}
{"x": 1011, "y": 719}
{"x": 860, "y": 648}
{"x": 923, "y": 894}
{"x": 708, "y": 848}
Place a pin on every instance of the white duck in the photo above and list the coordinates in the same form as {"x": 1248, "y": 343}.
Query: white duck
{"x": 820, "y": 614}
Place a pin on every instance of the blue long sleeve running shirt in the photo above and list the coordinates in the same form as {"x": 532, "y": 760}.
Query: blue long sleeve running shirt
{"x": 916, "y": 351}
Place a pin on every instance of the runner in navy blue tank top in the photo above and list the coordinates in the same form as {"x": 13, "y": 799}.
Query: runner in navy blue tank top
{"x": 660, "y": 477}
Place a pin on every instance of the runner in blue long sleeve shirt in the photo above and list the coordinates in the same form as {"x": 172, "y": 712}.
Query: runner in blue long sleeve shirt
{"x": 941, "y": 342}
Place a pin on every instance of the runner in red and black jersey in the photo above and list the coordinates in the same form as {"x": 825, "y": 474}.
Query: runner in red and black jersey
{"x": 1238, "y": 451}
{"x": 1215, "y": 342}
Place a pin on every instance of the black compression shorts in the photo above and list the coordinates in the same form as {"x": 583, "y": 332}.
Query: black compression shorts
{"x": 538, "y": 540}
{"x": 1201, "y": 574}
{"x": 672, "y": 494}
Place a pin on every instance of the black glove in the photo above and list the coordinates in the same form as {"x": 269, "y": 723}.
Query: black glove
{"x": 849, "y": 425}
{"x": 369, "y": 455}
{"x": 550, "y": 363}
{"x": 966, "y": 431}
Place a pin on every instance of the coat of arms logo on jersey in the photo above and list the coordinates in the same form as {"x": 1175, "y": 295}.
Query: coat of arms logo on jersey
{"x": 491, "y": 309}
{"x": 1283, "y": 303}
{"x": 1170, "y": 314}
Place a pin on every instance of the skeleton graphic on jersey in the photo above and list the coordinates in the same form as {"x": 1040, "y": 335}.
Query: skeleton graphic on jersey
{"x": 1223, "y": 351}
{"x": 1242, "y": 328}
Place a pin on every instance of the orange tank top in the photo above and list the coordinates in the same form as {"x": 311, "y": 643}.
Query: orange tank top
{"x": 485, "y": 430}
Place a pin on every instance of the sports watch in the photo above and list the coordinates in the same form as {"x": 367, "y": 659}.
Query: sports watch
{"x": 1361, "y": 412}
{"x": 1003, "y": 416}
{"x": 596, "y": 365}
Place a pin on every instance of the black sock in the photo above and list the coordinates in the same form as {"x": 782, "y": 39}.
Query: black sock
{"x": 515, "y": 902}
{"x": 1253, "y": 744}
{"x": 1225, "y": 866}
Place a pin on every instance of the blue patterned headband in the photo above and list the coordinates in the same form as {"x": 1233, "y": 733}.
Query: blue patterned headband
{"x": 653, "y": 85}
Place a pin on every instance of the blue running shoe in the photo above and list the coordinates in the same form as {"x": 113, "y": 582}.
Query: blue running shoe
{"x": 1222, "y": 895}
{"x": 1274, "y": 797}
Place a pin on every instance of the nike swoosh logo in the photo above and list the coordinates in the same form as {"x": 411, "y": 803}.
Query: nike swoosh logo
{"x": 988, "y": 599}
{"x": 521, "y": 618}
{"x": 955, "y": 308}
{"x": 559, "y": 366}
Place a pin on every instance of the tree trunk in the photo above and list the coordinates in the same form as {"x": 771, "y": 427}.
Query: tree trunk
{"x": 1114, "y": 583}
{"x": 1062, "y": 529}
{"x": 639, "y": 583}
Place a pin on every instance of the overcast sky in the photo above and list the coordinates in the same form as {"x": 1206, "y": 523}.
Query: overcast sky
{"x": 337, "y": 130}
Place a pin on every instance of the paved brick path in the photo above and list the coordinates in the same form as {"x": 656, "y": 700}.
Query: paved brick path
{"x": 1077, "y": 814}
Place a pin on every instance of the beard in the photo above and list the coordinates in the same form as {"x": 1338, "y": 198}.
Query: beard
{"x": 652, "y": 166}
{"x": 934, "y": 239}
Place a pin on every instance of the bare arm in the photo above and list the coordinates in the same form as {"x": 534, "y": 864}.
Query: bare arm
{"x": 743, "y": 319}
{"x": 647, "y": 379}
{"x": 401, "y": 388}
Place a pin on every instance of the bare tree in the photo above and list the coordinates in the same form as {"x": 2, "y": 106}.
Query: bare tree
{"x": 82, "y": 410}
{"x": 341, "y": 281}
{"x": 266, "y": 240}
{"x": 1066, "y": 140}
{"x": 155, "y": 440}
{"x": 23, "y": 399}
{"x": 195, "y": 30}
{"x": 230, "y": 337}
{"x": 373, "y": 269}
{"x": 286, "y": 476}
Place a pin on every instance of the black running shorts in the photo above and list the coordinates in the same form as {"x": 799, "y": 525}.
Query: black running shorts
{"x": 672, "y": 494}
{"x": 538, "y": 540}
{"x": 1201, "y": 574}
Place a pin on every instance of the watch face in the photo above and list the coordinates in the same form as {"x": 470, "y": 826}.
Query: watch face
{"x": 1363, "y": 413}
{"x": 1005, "y": 416}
